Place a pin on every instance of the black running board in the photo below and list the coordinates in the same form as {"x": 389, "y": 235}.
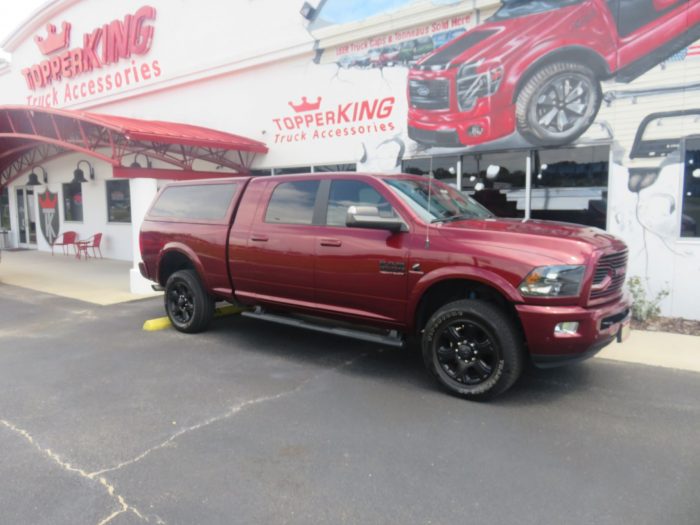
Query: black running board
{"x": 392, "y": 338}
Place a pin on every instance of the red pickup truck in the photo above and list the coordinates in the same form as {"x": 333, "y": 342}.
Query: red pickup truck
{"x": 536, "y": 66}
{"x": 386, "y": 257}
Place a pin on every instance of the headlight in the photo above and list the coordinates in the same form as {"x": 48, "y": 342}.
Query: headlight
{"x": 472, "y": 84}
{"x": 553, "y": 281}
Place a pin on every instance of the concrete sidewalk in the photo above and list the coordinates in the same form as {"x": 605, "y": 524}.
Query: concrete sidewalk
{"x": 104, "y": 282}
{"x": 97, "y": 281}
{"x": 657, "y": 349}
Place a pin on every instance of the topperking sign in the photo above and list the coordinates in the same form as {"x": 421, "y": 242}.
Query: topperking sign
{"x": 60, "y": 77}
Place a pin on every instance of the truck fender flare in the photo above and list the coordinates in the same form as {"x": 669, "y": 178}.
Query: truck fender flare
{"x": 183, "y": 249}
{"x": 465, "y": 273}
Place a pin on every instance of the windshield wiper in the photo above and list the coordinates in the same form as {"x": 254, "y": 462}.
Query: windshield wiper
{"x": 452, "y": 218}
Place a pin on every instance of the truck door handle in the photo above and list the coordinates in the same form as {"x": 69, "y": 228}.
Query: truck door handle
{"x": 259, "y": 237}
{"x": 331, "y": 242}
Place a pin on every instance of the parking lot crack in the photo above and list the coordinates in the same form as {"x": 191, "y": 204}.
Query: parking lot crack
{"x": 232, "y": 411}
{"x": 68, "y": 467}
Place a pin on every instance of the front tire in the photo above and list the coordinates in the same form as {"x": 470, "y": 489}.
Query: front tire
{"x": 188, "y": 305}
{"x": 558, "y": 104}
{"x": 473, "y": 349}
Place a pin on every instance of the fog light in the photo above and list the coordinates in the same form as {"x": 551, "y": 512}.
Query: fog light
{"x": 567, "y": 328}
{"x": 475, "y": 131}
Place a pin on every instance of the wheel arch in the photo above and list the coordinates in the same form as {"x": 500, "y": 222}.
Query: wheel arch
{"x": 433, "y": 293}
{"x": 176, "y": 257}
{"x": 579, "y": 54}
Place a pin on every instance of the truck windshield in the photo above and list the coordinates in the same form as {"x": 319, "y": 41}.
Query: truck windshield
{"x": 445, "y": 203}
{"x": 516, "y": 8}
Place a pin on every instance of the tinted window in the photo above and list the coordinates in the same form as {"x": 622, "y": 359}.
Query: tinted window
{"x": 293, "y": 202}
{"x": 346, "y": 193}
{"x": 207, "y": 202}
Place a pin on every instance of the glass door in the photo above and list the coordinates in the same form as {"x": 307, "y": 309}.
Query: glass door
{"x": 26, "y": 216}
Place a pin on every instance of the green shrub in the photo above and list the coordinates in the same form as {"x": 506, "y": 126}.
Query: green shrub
{"x": 643, "y": 308}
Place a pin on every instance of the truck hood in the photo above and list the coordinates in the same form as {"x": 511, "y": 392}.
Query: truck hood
{"x": 556, "y": 241}
{"x": 495, "y": 40}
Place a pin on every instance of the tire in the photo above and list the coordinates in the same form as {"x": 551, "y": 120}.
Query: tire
{"x": 558, "y": 104}
{"x": 455, "y": 336}
{"x": 188, "y": 305}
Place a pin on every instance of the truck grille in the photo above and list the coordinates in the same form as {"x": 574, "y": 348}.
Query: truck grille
{"x": 429, "y": 94}
{"x": 609, "y": 275}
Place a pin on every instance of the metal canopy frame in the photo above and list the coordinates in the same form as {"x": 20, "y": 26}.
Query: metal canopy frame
{"x": 30, "y": 136}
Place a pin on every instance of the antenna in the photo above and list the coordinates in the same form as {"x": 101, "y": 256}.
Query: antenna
{"x": 430, "y": 188}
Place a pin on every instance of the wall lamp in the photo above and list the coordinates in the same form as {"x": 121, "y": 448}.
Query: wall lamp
{"x": 136, "y": 164}
{"x": 308, "y": 11}
{"x": 79, "y": 175}
{"x": 34, "y": 178}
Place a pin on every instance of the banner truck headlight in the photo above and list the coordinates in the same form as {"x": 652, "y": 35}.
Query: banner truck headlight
{"x": 553, "y": 281}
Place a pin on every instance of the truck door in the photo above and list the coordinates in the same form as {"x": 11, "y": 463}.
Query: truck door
{"x": 277, "y": 259}
{"x": 360, "y": 272}
{"x": 648, "y": 29}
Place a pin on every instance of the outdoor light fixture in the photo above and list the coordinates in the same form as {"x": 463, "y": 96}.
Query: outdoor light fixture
{"x": 136, "y": 164}
{"x": 79, "y": 175}
{"x": 34, "y": 178}
{"x": 308, "y": 11}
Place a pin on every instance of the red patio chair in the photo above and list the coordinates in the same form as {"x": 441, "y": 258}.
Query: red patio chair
{"x": 67, "y": 239}
{"x": 90, "y": 243}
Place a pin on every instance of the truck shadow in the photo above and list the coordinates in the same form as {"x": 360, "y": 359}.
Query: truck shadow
{"x": 402, "y": 367}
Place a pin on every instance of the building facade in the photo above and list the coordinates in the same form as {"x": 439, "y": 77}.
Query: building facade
{"x": 597, "y": 102}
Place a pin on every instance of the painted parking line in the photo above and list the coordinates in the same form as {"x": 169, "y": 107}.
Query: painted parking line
{"x": 161, "y": 323}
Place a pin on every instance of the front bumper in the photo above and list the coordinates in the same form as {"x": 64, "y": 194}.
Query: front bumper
{"x": 454, "y": 129}
{"x": 598, "y": 327}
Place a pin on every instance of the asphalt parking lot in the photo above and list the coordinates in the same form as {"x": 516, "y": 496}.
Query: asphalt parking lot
{"x": 101, "y": 422}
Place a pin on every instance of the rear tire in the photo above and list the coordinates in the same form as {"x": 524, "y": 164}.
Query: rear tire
{"x": 473, "y": 349}
{"x": 188, "y": 305}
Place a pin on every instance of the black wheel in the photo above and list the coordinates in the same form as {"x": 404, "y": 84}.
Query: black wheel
{"x": 558, "y": 104}
{"x": 473, "y": 349}
{"x": 189, "y": 306}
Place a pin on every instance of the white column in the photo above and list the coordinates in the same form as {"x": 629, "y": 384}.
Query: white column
{"x": 142, "y": 193}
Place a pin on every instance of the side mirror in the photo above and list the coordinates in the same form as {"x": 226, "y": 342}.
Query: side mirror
{"x": 368, "y": 217}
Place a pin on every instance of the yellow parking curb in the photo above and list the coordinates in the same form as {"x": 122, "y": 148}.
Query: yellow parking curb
{"x": 161, "y": 323}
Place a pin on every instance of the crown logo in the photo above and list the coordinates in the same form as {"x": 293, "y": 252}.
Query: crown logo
{"x": 306, "y": 105}
{"x": 48, "y": 201}
{"x": 53, "y": 41}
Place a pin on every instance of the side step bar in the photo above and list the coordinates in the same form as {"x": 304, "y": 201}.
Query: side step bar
{"x": 392, "y": 338}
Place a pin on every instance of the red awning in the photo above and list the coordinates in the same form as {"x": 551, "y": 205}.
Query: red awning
{"x": 30, "y": 136}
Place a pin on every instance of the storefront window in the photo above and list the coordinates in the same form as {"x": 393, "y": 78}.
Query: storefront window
{"x": 4, "y": 209}
{"x": 335, "y": 167}
{"x": 118, "y": 201}
{"x": 690, "y": 217}
{"x": 568, "y": 184}
{"x": 444, "y": 168}
{"x": 289, "y": 171}
{"x": 73, "y": 202}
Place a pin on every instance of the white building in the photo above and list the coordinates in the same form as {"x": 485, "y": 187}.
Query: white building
{"x": 418, "y": 86}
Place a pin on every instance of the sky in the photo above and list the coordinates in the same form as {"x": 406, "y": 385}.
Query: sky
{"x": 14, "y": 14}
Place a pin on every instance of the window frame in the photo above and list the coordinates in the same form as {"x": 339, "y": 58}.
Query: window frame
{"x": 63, "y": 202}
{"x": 315, "y": 215}
{"x": 107, "y": 199}
{"x": 681, "y": 193}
